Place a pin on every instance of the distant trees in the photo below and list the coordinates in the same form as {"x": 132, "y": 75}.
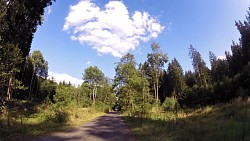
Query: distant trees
{"x": 203, "y": 86}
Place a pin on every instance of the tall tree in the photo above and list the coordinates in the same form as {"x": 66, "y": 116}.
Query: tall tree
{"x": 9, "y": 61}
{"x": 22, "y": 18}
{"x": 156, "y": 61}
{"x": 199, "y": 67}
{"x": 176, "y": 79}
{"x": 129, "y": 84}
{"x": 244, "y": 29}
{"x": 18, "y": 22}
{"x": 93, "y": 76}
{"x": 219, "y": 68}
{"x": 40, "y": 69}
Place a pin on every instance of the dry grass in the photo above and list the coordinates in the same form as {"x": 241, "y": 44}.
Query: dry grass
{"x": 42, "y": 119}
{"x": 220, "y": 122}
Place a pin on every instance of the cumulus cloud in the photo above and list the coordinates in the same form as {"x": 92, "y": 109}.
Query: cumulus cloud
{"x": 65, "y": 77}
{"x": 112, "y": 29}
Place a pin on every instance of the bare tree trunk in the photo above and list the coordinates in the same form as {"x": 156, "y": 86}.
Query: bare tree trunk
{"x": 93, "y": 95}
{"x": 31, "y": 83}
{"x": 9, "y": 89}
{"x": 157, "y": 90}
{"x": 154, "y": 91}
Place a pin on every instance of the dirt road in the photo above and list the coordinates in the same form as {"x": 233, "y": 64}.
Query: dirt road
{"x": 109, "y": 127}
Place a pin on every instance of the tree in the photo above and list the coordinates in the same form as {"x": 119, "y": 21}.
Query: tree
{"x": 156, "y": 61}
{"x": 176, "y": 82}
{"x": 22, "y": 18}
{"x": 40, "y": 69}
{"x": 199, "y": 66}
{"x": 9, "y": 60}
{"x": 18, "y": 22}
{"x": 129, "y": 85}
{"x": 190, "y": 78}
{"x": 93, "y": 76}
{"x": 219, "y": 68}
{"x": 244, "y": 29}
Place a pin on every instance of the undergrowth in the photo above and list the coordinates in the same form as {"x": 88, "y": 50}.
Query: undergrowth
{"x": 18, "y": 121}
{"x": 219, "y": 122}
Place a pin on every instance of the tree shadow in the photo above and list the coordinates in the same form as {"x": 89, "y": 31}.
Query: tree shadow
{"x": 109, "y": 127}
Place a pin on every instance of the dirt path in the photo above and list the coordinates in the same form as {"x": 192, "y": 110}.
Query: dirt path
{"x": 109, "y": 127}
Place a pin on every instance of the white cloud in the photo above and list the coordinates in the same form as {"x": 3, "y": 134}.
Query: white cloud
{"x": 49, "y": 10}
{"x": 65, "y": 77}
{"x": 111, "y": 30}
{"x": 221, "y": 57}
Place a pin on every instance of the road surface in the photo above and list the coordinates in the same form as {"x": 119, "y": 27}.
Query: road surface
{"x": 109, "y": 127}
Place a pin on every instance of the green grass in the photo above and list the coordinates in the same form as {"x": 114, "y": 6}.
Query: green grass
{"x": 26, "y": 119}
{"x": 219, "y": 122}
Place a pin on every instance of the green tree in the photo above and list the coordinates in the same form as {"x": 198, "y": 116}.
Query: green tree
{"x": 94, "y": 77}
{"x": 9, "y": 61}
{"x": 202, "y": 72}
{"x": 64, "y": 96}
{"x": 130, "y": 85}
{"x": 190, "y": 78}
{"x": 156, "y": 61}
{"x": 22, "y": 18}
{"x": 219, "y": 68}
{"x": 176, "y": 79}
{"x": 40, "y": 69}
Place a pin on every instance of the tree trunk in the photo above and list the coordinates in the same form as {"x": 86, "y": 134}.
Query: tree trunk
{"x": 93, "y": 95}
{"x": 9, "y": 89}
{"x": 157, "y": 90}
{"x": 154, "y": 90}
{"x": 31, "y": 83}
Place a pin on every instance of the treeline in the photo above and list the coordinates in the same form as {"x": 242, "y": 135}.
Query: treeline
{"x": 24, "y": 76}
{"x": 20, "y": 73}
{"x": 143, "y": 86}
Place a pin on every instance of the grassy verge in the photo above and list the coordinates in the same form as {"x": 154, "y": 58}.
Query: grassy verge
{"x": 20, "y": 123}
{"x": 220, "y": 122}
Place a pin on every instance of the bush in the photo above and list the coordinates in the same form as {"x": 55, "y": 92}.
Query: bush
{"x": 61, "y": 117}
{"x": 170, "y": 103}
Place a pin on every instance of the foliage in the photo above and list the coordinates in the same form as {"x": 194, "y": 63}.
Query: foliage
{"x": 207, "y": 123}
{"x": 176, "y": 83}
{"x": 94, "y": 77}
{"x": 170, "y": 103}
{"x": 156, "y": 61}
{"x": 130, "y": 86}
{"x": 199, "y": 65}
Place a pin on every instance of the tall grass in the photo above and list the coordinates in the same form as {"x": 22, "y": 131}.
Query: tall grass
{"x": 220, "y": 122}
{"x": 18, "y": 124}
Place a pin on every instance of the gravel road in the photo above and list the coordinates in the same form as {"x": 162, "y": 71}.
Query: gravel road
{"x": 109, "y": 127}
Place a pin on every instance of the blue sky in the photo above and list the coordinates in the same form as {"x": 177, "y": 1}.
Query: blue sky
{"x": 77, "y": 34}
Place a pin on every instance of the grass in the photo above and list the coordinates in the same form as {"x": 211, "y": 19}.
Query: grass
{"x": 28, "y": 119}
{"x": 218, "y": 122}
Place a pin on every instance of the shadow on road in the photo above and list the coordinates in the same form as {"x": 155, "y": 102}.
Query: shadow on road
{"x": 109, "y": 127}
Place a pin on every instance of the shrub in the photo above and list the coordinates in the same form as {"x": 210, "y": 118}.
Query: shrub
{"x": 170, "y": 103}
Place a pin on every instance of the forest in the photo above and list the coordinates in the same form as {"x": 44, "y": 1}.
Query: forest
{"x": 148, "y": 95}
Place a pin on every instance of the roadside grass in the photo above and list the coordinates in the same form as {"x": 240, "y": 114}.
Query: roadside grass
{"x": 229, "y": 122}
{"x": 23, "y": 119}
